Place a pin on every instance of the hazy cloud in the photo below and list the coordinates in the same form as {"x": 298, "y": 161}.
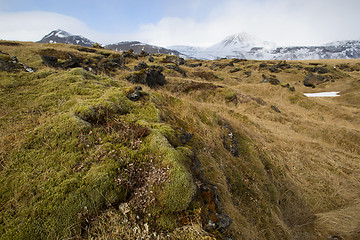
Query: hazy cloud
{"x": 285, "y": 22}
{"x": 32, "y": 26}
{"x": 203, "y": 23}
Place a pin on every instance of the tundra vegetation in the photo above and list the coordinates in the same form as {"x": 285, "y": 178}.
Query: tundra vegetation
{"x": 97, "y": 144}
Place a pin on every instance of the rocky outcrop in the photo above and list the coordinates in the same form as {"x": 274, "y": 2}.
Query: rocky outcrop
{"x": 229, "y": 140}
{"x": 272, "y": 80}
{"x": 11, "y": 64}
{"x": 151, "y": 76}
{"x": 312, "y": 80}
{"x": 141, "y": 66}
{"x": 50, "y": 61}
{"x": 212, "y": 215}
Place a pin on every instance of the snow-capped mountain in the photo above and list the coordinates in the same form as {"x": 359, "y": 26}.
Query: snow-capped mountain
{"x": 249, "y": 47}
{"x": 61, "y": 36}
{"x": 241, "y": 41}
{"x": 138, "y": 47}
{"x": 233, "y": 46}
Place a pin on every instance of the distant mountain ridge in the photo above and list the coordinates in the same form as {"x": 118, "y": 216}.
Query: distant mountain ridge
{"x": 245, "y": 46}
{"x": 138, "y": 47}
{"x": 61, "y": 36}
{"x": 241, "y": 45}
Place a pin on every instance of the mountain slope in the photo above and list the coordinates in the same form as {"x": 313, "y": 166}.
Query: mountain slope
{"x": 120, "y": 147}
{"x": 138, "y": 47}
{"x": 61, "y": 36}
{"x": 248, "y": 47}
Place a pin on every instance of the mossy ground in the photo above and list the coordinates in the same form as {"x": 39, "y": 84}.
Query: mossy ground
{"x": 74, "y": 150}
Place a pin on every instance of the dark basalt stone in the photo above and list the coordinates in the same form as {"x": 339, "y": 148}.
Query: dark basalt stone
{"x": 50, "y": 61}
{"x": 212, "y": 215}
{"x": 141, "y": 66}
{"x": 135, "y": 95}
{"x": 152, "y": 77}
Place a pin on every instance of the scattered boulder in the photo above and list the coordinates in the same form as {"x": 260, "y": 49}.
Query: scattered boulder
{"x": 347, "y": 68}
{"x": 320, "y": 70}
{"x": 274, "y": 69}
{"x": 129, "y": 54}
{"x": 235, "y": 70}
{"x": 11, "y": 64}
{"x": 248, "y": 73}
{"x": 151, "y": 59}
{"x": 141, "y": 66}
{"x": 185, "y": 136}
{"x": 72, "y": 62}
{"x": 143, "y": 54}
{"x": 282, "y": 65}
{"x": 135, "y": 94}
{"x": 109, "y": 65}
{"x": 152, "y": 77}
{"x": 263, "y": 66}
{"x": 276, "y": 109}
{"x": 237, "y": 60}
{"x": 176, "y": 68}
{"x": 274, "y": 81}
{"x": 311, "y": 80}
{"x": 50, "y": 61}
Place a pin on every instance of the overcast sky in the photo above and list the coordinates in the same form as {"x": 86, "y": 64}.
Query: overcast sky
{"x": 183, "y": 22}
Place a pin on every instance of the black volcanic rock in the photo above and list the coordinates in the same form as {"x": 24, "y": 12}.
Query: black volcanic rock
{"x": 11, "y": 64}
{"x": 61, "y": 36}
{"x": 50, "y": 61}
{"x": 152, "y": 77}
{"x": 311, "y": 80}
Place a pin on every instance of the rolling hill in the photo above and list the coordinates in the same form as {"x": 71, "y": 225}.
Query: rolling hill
{"x": 98, "y": 144}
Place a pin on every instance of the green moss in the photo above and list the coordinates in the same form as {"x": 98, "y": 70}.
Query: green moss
{"x": 179, "y": 192}
{"x": 49, "y": 193}
{"x": 97, "y": 111}
{"x": 144, "y": 112}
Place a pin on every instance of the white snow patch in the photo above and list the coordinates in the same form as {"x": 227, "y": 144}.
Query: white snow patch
{"x": 322, "y": 94}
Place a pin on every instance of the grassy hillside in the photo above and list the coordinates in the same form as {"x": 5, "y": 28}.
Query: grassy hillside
{"x": 224, "y": 149}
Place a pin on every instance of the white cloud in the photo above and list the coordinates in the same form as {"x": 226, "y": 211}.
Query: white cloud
{"x": 286, "y": 22}
{"x": 32, "y": 26}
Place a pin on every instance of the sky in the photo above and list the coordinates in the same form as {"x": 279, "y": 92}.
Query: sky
{"x": 183, "y": 22}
